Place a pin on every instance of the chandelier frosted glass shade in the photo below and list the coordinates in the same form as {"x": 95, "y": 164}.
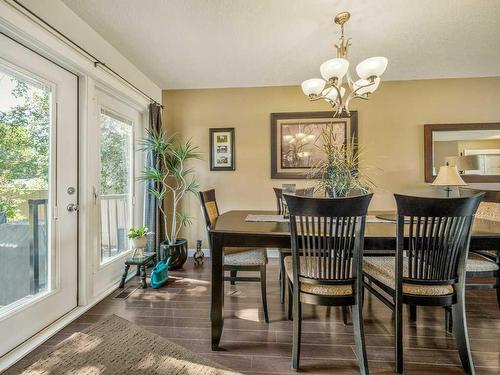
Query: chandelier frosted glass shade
{"x": 371, "y": 67}
{"x": 364, "y": 86}
{"x": 331, "y": 94}
{"x": 313, "y": 86}
{"x": 334, "y": 68}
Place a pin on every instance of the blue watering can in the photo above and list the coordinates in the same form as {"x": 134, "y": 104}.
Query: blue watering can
{"x": 159, "y": 275}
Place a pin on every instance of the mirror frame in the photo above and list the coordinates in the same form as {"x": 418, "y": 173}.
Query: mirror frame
{"x": 430, "y": 128}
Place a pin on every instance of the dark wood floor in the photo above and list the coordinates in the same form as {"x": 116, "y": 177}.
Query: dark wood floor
{"x": 179, "y": 312}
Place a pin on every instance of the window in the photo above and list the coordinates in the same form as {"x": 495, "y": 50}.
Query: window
{"x": 25, "y": 124}
{"x": 116, "y": 183}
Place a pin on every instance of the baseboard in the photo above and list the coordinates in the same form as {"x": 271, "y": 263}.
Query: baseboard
{"x": 38, "y": 339}
{"x": 271, "y": 252}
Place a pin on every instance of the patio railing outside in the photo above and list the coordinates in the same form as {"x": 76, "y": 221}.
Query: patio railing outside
{"x": 24, "y": 247}
{"x": 115, "y": 210}
{"x": 38, "y": 244}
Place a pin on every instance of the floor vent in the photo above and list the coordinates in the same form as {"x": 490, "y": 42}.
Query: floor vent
{"x": 125, "y": 293}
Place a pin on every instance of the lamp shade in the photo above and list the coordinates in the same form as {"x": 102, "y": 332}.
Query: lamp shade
{"x": 464, "y": 163}
{"x": 334, "y": 68}
{"x": 313, "y": 86}
{"x": 371, "y": 67}
{"x": 448, "y": 176}
{"x": 331, "y": 94}
{"x": 366, "y": 90}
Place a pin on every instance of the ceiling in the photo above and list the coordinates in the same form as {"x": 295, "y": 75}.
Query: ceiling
{"x": 240, "y": 43}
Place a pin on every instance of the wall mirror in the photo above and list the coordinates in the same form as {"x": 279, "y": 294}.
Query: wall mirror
{"x": 473, "y": 148}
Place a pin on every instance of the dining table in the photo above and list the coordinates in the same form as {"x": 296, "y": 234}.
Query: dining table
{"x": 233, "y": 229}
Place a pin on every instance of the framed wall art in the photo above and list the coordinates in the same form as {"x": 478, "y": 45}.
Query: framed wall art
{"x": 296, "y": 141}
{"x": 221, "y": 149}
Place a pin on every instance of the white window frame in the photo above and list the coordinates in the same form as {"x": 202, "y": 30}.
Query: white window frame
{"x": 107, "y": 273}
{"x": 133, "y": 175}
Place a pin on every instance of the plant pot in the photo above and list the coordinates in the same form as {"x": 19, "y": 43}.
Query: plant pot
{"x": 331, "y": 193}
{"x": 139, "y": 242}
{"x": 177, "y": 252}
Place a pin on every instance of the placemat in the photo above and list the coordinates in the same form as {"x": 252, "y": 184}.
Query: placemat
{"x": 281, "y": 219}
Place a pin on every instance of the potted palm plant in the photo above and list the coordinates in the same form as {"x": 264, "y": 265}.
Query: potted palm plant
{"x": 339, "y": 173}
{"x": 171, "y": 180}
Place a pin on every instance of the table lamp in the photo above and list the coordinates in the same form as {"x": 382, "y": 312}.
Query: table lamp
{"x": 448, "y": 176}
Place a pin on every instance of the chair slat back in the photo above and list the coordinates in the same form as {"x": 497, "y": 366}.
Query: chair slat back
{"x": 280, "y": 202}
{"x": 327, "y": 237}
{"x": 209, "y": 207}
{"x": 435, "y": 238}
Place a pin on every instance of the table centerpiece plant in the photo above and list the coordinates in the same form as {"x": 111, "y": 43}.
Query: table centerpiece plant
{"x": 339, "y": 174}
{"x": 171, "y": 180}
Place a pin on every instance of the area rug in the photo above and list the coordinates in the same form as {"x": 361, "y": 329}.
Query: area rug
{"x": 117, "y": 346}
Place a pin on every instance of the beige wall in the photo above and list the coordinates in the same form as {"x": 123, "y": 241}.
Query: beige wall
{"x": 390, "y": 127}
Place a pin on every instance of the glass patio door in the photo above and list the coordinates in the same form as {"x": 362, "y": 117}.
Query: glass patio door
{"x": 38, "y": 193}
{"x": 116, "y": 182}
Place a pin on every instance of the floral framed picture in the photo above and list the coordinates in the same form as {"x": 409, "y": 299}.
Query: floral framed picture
{"x": 296, "y": 140}
{"x": 221, "y": 149}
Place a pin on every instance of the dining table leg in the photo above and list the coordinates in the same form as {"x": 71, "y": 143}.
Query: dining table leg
{"x": 217, "y": 298}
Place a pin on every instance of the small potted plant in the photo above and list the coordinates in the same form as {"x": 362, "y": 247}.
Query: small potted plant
{"x": 139, "y": 237}
{"x": 171, "y": 180}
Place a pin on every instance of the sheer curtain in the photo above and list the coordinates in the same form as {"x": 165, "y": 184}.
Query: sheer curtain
{"x": 153, "y": 218}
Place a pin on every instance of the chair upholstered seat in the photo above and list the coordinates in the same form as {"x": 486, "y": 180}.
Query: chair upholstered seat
{"x": 383, "y": 270}
{"x": 250, "y": 257}
{"x": 236, "y": 250}
{"x": 322, "y": 290}
{"x": 481, "y": 265}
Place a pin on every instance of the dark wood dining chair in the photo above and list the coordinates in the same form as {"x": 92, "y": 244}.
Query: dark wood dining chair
{"x": 237, "y": 258}
{"x": 429, "y": 266}
{"x": 327, "y": 237}
{"x": 280, "y": 210}
{"x": 485, "y": 263}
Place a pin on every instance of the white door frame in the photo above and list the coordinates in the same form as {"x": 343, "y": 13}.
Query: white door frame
{"x": 61, "y": 298}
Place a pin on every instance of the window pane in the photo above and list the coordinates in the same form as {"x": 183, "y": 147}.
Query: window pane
{"x": 115, "y": 181}
{"x": 24, "y": 186}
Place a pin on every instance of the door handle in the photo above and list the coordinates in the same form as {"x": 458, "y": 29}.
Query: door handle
{"x": 95, "y": 194}
{"x": 72, "y": 207}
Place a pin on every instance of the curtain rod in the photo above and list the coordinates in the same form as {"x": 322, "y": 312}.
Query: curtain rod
{"x": 97, "y": 62}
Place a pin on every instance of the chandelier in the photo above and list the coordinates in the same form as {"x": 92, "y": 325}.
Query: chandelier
{"x": 334, "y": 71}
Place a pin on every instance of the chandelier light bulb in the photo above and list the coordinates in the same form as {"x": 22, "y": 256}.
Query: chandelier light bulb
{"x": 334, "y": 68}
{"x": 371, "y": 67}
{"x": 313, "y": 86}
